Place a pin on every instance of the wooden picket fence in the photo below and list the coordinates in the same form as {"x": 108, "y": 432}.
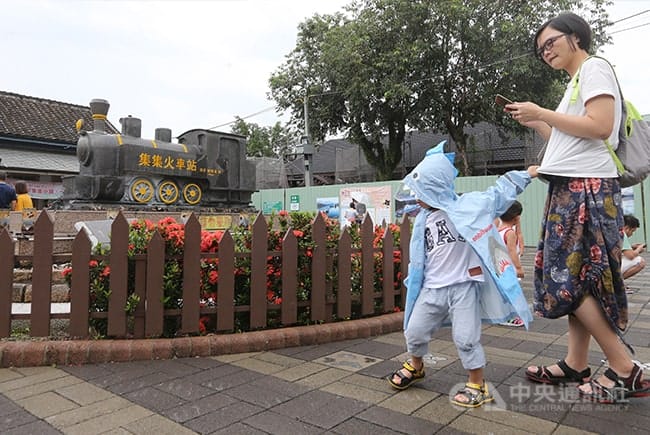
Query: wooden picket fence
{"x": 149, "y": 315}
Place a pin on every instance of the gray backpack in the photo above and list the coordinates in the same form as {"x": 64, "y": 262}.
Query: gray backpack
{"x": 632, "y": 157}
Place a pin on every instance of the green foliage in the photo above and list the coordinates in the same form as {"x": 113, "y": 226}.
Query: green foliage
{"x": 299, "y": 224}
{"x": 274, "y": 141}
{"x": 385, "y": 66}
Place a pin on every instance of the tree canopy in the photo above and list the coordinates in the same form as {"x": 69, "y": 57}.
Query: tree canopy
{"x": 381, "y": 67}
{"x": 275, "y": 141}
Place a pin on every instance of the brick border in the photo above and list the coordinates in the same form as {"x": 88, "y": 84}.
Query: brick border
{"x": 78, "y": 352}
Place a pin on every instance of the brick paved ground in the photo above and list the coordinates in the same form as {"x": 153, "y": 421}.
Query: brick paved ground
{"x": 329, "y": 388}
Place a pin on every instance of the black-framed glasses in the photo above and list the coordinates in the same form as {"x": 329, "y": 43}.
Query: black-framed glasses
{"x": 548, "y": 44}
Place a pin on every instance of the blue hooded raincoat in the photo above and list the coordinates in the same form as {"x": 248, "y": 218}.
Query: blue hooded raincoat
{"x": 473, "y": 214}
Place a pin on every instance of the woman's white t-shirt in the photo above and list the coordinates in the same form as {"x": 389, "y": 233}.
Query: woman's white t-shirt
{"x": 572, "y": 156}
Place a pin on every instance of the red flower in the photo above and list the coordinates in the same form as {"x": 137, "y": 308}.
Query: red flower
{"x": 283, "y": 213}
{"x": 106, "y": 272}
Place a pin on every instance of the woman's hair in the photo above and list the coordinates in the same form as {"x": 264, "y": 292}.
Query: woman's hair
{"x": 21, "y": 187}
{"x": 569, "y": 24}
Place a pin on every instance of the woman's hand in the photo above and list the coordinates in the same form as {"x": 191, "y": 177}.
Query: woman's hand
{"x": 532, "y": 171}
{"x": 529, "y": 115}
{"x": 525, "y": 112}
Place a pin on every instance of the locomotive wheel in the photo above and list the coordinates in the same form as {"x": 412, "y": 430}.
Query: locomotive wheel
{"x": 192, "y": 193}
{"x": 141, "y": 190}
{"x": 168, "y": 192}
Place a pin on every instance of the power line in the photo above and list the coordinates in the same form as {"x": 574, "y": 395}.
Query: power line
{"x": 629, "y": 28}
{"x": 473, "y": 68}
{"x": 631, "y": 16}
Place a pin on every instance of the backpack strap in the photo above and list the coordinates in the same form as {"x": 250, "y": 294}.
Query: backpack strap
{"x": 575, "y": 81}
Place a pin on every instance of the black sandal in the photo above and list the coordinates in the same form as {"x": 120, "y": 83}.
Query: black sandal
{"x": 544, "y": 376}
{"x": 405, "y": 381}
{"x": 623, "y": 389}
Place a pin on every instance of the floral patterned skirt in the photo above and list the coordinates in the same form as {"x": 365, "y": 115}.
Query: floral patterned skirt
{"x": 580, "y": 249}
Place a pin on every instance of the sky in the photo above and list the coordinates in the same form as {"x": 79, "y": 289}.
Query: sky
{"x": 198, "y": 64}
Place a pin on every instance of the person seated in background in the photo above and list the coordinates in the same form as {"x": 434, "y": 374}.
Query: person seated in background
{"x": 23, "y": 200}
{"x": 632, "y": 262}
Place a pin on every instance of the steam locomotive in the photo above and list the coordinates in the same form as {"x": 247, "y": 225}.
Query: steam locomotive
{"x": 205, "y": 168}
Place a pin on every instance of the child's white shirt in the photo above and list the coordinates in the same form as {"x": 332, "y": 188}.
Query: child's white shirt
{"x": 449, "y": 257}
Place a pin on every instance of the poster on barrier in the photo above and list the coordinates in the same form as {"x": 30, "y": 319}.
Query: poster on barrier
{"x": 356, "y": 202}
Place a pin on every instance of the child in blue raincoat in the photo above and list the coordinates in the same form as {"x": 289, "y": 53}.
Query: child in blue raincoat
{"x": 459, "y": 270}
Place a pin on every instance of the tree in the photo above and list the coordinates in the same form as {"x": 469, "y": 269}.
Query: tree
{"x": 385, "y": 66}
{"x": 273, "y": 141}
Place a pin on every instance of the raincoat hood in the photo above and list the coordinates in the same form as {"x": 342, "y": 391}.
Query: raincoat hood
{"x": 432, "y": 180}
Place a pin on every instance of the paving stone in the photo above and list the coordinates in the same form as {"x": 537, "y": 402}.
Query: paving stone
{"x": 154, "y": 399}
{"x": 347, "y": 361}
{"x": 9, "y": 375}
{"x": 259, "y": 366}
{"x": 279, "y": 359}
{"x": 407, "y": 401}
{"x": 378, "y": 349}
{"x": 126, "y": 386}
{"x": 36, "y": 427}
{"x": 30, "y": 380}
{"x": 438, "y": 411}
{"x": 222, "y": 418}
{"x": 7, "y": 406}
{"x": 184, "y": 389}
{"x": 358, "y": 426}
{"x": 300, "y": 371}
{"x": 42, "y": 387}
{"x": 201, "y": 363}
{"x": 397, "y": 421}
{"x": 156, "y": 424}
{"x": 88, "y": 371}
{"x": 324, "y": 377}
{"x": 270, "y": 422}
{"x": 320, "y": 409}
{"x": 83, "y": 413}
{"x": 224, "y": 382}
{"x": 84, "y": 393}
{"x": 261, "y": 397}
{"x": 356, "y": 392}
{"x": 46, "y": 404}
{"x": 108, "y": 422}
{"x": 199, "y": 407}
{"x": 240, "y": 429}
{"x": 17, "y": 418}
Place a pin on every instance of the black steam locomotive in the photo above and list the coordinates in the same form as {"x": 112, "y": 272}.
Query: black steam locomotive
{"x": 205, "y": 168}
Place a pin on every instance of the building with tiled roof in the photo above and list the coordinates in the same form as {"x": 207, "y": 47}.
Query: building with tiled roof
{"x": 492, "y": 152}
{"x": 38, "y": 141}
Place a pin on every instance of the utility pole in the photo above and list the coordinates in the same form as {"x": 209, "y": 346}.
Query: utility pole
{"x": 307, "y": 147}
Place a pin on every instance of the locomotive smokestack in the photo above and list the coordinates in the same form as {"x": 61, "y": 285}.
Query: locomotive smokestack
{"x": 99, "y": 110}
{"x": 131, "y": 126}
{"x": 164, "y": 134}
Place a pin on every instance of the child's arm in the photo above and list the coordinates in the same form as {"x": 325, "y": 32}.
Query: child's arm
{"x": 520, "y": 238}
{"x": 511, "y": 243}
{"x": 507, "y": 187}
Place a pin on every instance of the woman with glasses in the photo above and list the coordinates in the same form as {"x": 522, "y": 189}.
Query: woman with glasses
{"x": 578, "y": 261}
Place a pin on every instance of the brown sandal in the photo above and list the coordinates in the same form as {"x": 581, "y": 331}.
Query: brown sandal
{"x": 544, "y": 376}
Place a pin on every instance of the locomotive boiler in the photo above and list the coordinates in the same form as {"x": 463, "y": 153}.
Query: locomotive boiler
{"x": 205, "y": 168}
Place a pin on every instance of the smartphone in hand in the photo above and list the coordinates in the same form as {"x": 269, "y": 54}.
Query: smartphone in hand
{"x": 501, "y": 100}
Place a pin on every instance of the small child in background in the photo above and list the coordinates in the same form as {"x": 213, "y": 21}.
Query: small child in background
{"x": 509, "y": 229}
{"x": 23, "y": 200}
